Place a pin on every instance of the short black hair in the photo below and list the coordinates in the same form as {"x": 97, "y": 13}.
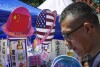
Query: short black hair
{"x": 81, "y": 12}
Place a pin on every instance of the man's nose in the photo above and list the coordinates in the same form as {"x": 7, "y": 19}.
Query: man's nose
{"x": 67, "y": 41}
{"x": 68, "y": 44}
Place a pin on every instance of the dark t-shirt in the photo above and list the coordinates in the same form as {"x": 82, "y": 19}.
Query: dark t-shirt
{"x": 95, "y": 61}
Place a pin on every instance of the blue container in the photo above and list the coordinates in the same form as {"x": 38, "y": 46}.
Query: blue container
{"x": 65, "y": 61}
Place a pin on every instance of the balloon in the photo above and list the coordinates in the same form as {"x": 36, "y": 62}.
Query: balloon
{"x": 65, "y": 61}
{"x": 35, "y": 43}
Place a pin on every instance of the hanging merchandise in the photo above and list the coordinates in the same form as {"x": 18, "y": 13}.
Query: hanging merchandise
{"x": 3, "y": 53}
{"x": 35, "y": 60}
{"x": 20, "y": 56}
{"x": 18, "y": 52}
{"x": 58, "y": 48}
{"x": 45, "y": 56}
{"x": 19, "y": 46}
{"x": 35, "y": 43}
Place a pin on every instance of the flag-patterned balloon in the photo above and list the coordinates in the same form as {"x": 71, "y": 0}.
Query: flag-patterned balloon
{"x": 45, "y": 26}
{"x": 18, "y": 23}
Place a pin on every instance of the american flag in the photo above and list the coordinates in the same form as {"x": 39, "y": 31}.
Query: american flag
{"x": 45, "y": 26}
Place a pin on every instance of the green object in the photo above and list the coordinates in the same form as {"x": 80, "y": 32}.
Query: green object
{"x": 34, "y": 3}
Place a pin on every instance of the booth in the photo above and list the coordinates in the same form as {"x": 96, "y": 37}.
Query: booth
{"x": 7, "y": 6}
{"x": 20, "y": 38}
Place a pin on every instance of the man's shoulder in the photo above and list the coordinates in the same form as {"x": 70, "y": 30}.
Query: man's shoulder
{"x": 96, "y": 61}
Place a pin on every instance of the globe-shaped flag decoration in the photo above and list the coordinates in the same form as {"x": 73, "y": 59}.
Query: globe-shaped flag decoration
{"x": 65, "y": 61}
{"x": 18, "y": 23}
{"x": 45, "y": 27}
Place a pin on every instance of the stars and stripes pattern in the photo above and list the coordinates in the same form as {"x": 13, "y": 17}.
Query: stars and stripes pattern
{"x": 45, "y": 26}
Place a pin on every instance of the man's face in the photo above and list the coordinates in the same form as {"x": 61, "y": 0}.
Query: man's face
{"x": 76, "y": 38}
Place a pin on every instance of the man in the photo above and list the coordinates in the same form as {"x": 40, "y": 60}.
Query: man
{"x": 81, "y": 30}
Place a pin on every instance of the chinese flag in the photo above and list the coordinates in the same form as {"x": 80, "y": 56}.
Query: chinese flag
{"x": 19, "y": 23}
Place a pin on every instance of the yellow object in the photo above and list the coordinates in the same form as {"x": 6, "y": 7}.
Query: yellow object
{"x": 1, "y": 65}
{"x": 35, "y": 43}
{"x": 70, "y": 53}
{"x": 19, "y": 45}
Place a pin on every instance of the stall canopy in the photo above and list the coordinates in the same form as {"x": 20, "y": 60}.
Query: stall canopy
{"x": 7, "y": 6}
{"x": 57, "y": 5}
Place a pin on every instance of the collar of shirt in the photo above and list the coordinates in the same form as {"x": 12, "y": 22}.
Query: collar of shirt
{"x": 93, "y": 59}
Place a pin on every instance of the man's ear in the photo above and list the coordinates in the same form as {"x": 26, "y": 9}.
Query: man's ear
{"x": 88, "y": 27}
